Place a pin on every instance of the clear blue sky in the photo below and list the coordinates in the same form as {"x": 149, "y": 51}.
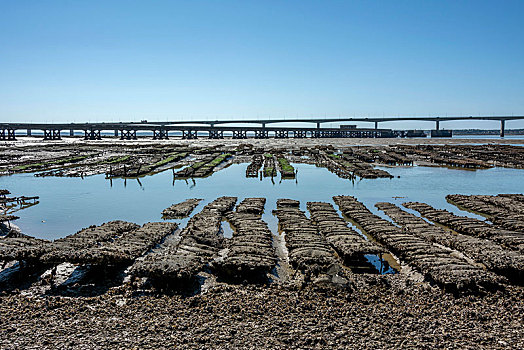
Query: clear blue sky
{"x": 132, "y": 60}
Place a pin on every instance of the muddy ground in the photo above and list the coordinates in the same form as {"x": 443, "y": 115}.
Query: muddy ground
{"x": 390, "y": 314}
{"x": 347, "y": 158}
{"x": 371, "y": 311}
{"x": 272, "y": 141}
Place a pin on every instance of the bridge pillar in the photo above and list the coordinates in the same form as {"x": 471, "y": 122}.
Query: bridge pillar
{"x": 7, "y": 134}
{"x": 502, "y": 124}
{"x": 127, "y": 134}
{"x": 216, "y": 134}
{"x": 261, "y": 134}
{"x": 189, "y": 134}
{"x": 92, "y": 134}
{"x": 52, "y": 134}
{"x": 318, "y": 125}
{"x": 71, "y": 133}
{"x": 116, "y": 133}
{"x": 281, "y": 134}
{"x": 299, "y": 134}
{"x": 376, "y": 125}
{"x": 437, "y": 124}
{"x": 239, "y": 134}
{"x": 28, "y": 132}
{"x": 160, "y": 134}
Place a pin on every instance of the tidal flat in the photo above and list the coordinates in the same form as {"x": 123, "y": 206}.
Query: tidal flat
{"x": 262, "y": 243}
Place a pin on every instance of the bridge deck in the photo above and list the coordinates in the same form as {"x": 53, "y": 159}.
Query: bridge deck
{"x": 192, "y": 127}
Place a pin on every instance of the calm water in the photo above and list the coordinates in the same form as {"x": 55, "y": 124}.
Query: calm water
{"x": 489, "y": 137}
{"x": 69, "y": 204}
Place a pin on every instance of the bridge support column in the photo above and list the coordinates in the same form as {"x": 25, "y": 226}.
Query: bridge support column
{"x": 281, "y": 134}
{"x": 318, "y": 125}
{"x": 52, "y": 134}
{"x": 28, "y": 132}
{"x": 189, "y": 134}
{"x": 239, "y": 134}
{"x": 216, "y": 134}
{"x": 299, "y": 134}
{"x": 502, "y": 125}
{"x": 437, "y": 124}
{"x": 92, "y": 134}
{"x": 127, "y": 134}
{"x": 116, "y": 133}
{"x": 261, "y": 134}
{"x": 160, "y": 134}
{"x": 7, "y": 134}
{"x": 71, "y": 133}
{"x": 376, "y": 125}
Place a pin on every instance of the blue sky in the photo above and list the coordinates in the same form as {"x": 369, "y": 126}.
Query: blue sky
{"x": 158, "y": 60}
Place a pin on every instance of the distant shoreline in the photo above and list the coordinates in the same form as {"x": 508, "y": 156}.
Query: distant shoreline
{"x": 495, "y": 132}
{"x": 487, "y": 131}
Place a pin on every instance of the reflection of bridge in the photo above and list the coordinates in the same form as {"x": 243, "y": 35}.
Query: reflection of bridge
{"x": 216, "y": 129}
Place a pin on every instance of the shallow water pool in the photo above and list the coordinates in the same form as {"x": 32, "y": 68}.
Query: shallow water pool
{"x": 69, "y": 204}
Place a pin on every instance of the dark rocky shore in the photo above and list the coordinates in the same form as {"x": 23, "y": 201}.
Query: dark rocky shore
{"x": 388, "y": 314}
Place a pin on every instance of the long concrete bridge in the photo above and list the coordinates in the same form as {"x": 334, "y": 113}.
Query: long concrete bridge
{"x": 190, "y": 129}
{"x": 319, "y": 121}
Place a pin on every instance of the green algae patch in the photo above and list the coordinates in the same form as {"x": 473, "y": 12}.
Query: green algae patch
{"x": 286, "y": 169}
{"x": 50, "y": 163}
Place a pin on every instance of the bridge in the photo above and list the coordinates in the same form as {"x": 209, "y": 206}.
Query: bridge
{"x": 215, "y": 129}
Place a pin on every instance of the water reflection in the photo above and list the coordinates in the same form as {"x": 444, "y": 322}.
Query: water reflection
{"x": 69, "y": 204}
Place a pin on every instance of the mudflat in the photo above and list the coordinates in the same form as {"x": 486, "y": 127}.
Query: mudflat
{"x": 329, "y": 272}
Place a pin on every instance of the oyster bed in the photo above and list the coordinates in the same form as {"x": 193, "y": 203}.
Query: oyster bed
{"x": 457, "y": 281}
